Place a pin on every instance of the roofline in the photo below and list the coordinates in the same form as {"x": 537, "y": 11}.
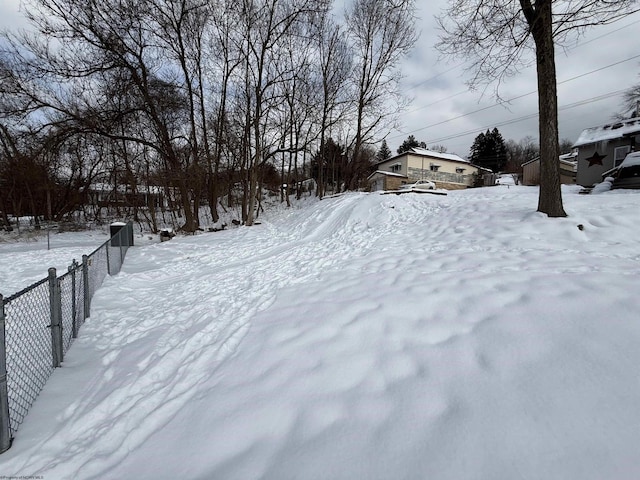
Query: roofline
{"x": 426, "y": 156}
{"x": 388, "y": 174}
{"x": 537, "y": 159}
{"x": 628, "y": 134}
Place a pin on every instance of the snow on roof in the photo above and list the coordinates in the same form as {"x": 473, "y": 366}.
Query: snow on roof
{"x": 389, "y": 174}
{"x": 567, "y": 159}
{"x": 609, "y": 131}
{"x": 569, "y": 156}
{"x": 429, "y": 153}
{"x": 444, "y": 156}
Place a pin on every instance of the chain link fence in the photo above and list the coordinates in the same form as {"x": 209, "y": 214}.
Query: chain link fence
{"x": 39, "y": 323}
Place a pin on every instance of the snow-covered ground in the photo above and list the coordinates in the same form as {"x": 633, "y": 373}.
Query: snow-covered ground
{"x": 361, "y": 337}
{"x": 26, "y": 261}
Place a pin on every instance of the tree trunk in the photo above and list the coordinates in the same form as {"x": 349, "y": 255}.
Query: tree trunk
{"x": 550, "y": 197}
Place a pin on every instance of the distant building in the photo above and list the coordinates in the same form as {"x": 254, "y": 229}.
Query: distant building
{"x": 108, "y": 195}
{"x": 603, "y": 148}
{"x": 568, "y": 170}
{"x": 446, "y": 170}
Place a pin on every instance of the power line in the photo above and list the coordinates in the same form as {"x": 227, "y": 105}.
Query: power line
{"x": 604, "y": 35}
{"x": 413, "y": 87}
{"x": 438, "y": 101}
{"x": 568, "y": 49}
{"x": 528, "y": 117}
{"x": 515, "y": 98}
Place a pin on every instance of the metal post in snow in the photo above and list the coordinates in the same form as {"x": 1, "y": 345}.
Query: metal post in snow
{"x": 74, "y": 323}
{"x": 55, "y": 309}
{"x": 123, "y": 233}
{"x": 106, "y": 246}
{"x": 85, "y": 281}
{"x": 5, "y": 423}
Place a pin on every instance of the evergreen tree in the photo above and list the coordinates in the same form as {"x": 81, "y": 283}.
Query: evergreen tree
{"x": 333, "y": 161}
{"x": 410, "y": 143}
{"x": 489, "y": 151}
{"x": 384, "y": 152}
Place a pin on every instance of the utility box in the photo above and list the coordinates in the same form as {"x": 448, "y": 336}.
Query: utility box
{"x": 121, "y": 234}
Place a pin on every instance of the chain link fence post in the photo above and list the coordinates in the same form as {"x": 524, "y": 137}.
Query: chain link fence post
{"x": 124, "y": 239}
{"x": 5, "y": 426}
{"x": 73, "y": 268}
{"x": 85, "y": 280}
{"x": 56, "y": 318}
{"x": 108, "y": 262}
{"x": 27, "y": 350}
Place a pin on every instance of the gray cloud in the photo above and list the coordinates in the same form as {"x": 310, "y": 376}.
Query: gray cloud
{"x": 441, "y": 102}
{"x": 435, "y": 86}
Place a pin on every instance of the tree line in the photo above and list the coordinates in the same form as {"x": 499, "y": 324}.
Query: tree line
{"x": 204, "y": 99}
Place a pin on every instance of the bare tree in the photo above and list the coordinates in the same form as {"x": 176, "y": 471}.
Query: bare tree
{"x": 335, "y": 64}
{"x": 521, "y": 152}
{"x": 382, "y": 32}
{"x": 495, "y": 34}
{"x": 631, "y": 102}
{"x": 96, "y": 66}
{"x": 265, "y": 28}
{"x": 227, "y": 58}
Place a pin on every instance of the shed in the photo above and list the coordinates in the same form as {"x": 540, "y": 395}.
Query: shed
{"x": 568, "y": 169}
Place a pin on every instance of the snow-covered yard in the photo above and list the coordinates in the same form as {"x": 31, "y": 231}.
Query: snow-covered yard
{"x": 361, "y": 337}
{"x": 26, "y": 261}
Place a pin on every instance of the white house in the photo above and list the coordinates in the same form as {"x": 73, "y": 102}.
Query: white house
{"x": 446, "y": 170}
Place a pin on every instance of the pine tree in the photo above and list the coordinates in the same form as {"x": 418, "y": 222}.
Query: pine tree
{"x": 384, "y": 152}
{"x": 410, "y": 143}
{"x": 333, "y": 162}
{"x": 489, "y": 151}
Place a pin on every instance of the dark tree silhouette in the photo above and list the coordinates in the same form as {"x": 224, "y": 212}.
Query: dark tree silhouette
{"x": 489, "y": 151}
{"x": 410, "y": 143}
{"x": 384, "y": 152}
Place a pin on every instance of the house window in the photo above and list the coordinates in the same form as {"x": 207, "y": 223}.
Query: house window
{"x": 433, "y": 167}
{"x": 619, "y": 153}
{"x": 396, "y": 167}
{"x": 460, "y": 170}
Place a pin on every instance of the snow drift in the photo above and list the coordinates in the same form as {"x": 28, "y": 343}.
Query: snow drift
{"x": 365, "y": 336}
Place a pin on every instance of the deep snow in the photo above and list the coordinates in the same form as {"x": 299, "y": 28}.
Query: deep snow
{"x": 25, "y": 262}
{"x": 364, "y": 336}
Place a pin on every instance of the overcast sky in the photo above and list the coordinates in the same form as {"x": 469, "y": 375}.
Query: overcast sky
{"x": 440, "y": 111}
{"x": 442, "y": 106}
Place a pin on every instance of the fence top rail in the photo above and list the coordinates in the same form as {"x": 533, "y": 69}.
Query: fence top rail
{"x": 6, "y": 300}
{"x": 25, "y": 290}
{"x": 99, "y": 248}
{"x": 71, "y": 271}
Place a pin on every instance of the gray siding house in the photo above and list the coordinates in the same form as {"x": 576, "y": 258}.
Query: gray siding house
{"x": 603, "y": 148}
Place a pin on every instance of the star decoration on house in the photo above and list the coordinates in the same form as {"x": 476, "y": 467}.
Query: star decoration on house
{"x": 595, "y": 159}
